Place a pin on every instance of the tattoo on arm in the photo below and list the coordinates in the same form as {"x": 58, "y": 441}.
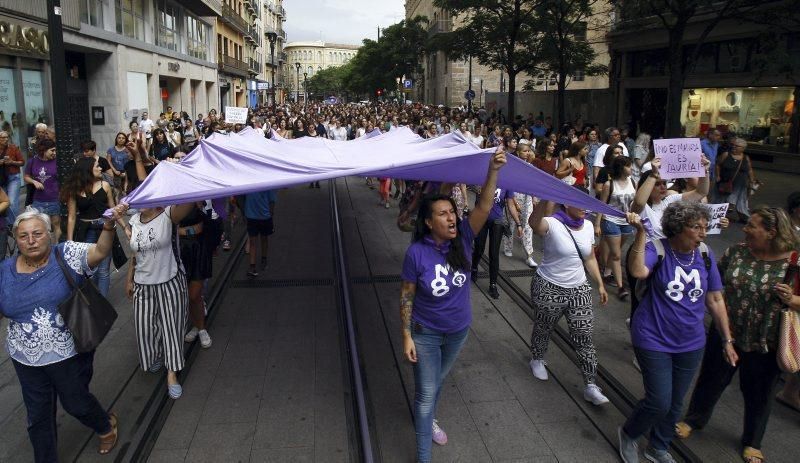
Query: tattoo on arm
{"x": 406, "y": 305}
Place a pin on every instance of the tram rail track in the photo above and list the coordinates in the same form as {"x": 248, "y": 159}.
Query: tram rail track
{"x": 151, "y": 418}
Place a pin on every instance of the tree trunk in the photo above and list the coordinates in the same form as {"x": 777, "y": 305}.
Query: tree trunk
{"x": 677, "y": 76}
{"x": 512, "y": 87}
{"x": 561, "y": 96}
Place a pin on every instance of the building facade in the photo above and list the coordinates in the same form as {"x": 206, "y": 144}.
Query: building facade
{"x": 304, "y": 59}
{"x": 445, "y": 81}
{"x": 234, "y": 53}
{"x": 272, "y": 51}
{"x": 726, "y": 89}
{"x": 123, "y": 57}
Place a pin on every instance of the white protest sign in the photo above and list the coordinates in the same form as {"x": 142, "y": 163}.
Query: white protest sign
{"x": 717, "y": 212}
{"x": 680, "y": 158}
{"x": 235, "y": 115}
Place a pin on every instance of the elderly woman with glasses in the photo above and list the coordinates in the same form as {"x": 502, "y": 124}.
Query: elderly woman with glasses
{"x": 753, "y": 274}
{"x": 40, "y": 345}
{"x": 667, "y": 329}
{"x": 734, "y": 174}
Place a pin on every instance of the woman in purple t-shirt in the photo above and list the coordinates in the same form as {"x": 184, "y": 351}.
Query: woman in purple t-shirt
{"x": 434, "y": 299}
{"x": 41, "y": 172}
{"x": 667, "y": 328}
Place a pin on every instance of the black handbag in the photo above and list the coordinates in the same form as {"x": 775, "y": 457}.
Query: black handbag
{"x": 88, "y": 315}
{"x": 118, "y": 255}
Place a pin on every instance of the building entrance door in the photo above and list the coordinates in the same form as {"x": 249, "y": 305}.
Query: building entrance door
{"x": 647, "y": 109}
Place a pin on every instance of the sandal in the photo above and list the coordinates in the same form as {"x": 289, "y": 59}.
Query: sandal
{"x": 751, "y": 455}
{"x": 683, "y": 430}
{"x": 109, "y": 441}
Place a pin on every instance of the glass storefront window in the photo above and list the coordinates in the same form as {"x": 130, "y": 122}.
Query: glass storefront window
{"x": 33, "y": 93}
{"x": 761, "y": 115}
{"x": 168, "y": 34}
{"x": 92, "y": 12}
{"x": 9, "y": 117}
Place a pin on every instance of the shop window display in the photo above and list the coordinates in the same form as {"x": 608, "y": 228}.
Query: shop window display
{"x": 761, "y": 115}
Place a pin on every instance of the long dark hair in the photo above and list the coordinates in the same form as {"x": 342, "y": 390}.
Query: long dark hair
{"x": 456, "y": 258}
{"x": 81, "y": 179}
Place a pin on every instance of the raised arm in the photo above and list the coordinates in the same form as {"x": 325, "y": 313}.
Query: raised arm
{"x": 536, "y": 222}
{"x": 643, "y": 192}
{"x": 703, "y": 185}
{"x": 636, "y": 257}
{"x": 481, "y": 212}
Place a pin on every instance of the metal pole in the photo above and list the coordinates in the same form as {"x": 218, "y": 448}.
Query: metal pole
{"x": 58, "y": 83}
{"x": 272, "y": 63}
{"x": 469, "y": 101}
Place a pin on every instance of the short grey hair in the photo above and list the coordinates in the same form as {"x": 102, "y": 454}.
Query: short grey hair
{"x": 682, "y": 214}
{"x": 40, "y": 125}
{"x": 29, "y": 214}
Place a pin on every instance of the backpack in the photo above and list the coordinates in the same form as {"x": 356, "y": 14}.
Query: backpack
{"x": 643, "y": 285}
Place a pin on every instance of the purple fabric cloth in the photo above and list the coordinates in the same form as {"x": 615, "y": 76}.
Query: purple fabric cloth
{"x": 499, "y": 204}
{"x": 564, "y": 218}
{"x": 670, "y": 316}
{"x": 227, "y": 165}
{"x": 441, "y": 301}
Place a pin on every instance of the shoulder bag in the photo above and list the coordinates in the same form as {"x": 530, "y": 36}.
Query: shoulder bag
{"x": 727, "y": 187}
{"x": 88, "y": 315}
{"x": 788, "y": 355}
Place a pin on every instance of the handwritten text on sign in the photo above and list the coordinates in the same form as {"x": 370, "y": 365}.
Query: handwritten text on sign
{"x": 235, "y": 115}
{"x": 680, "y": 157}
{"x": 717, "y": 212}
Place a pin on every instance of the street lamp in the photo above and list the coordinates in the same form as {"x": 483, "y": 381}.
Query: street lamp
{"x": 469, "y": 100}
{"x": 272, "y": 36}
{"x": 305, "y": 89}
{"x": 397, "y": 79}
{"x": 297, "y": 66}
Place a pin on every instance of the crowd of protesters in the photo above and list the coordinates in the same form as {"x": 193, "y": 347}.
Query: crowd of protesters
{"x": 669, "y": 275}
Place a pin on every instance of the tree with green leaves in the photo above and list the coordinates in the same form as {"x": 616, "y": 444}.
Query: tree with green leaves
{"x": 497, "y": 33}
{"x": 561, "y": 41}
{"x": 331, "y": 81}
{"x": 675, "y": 18}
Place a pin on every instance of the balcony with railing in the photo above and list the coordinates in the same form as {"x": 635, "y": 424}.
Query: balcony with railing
{"x": 440, "y": 26}
{"x": 232, "y": 18}
{"x": 254, "y": 66}
{"x": 282, "y": 34}
{"x": 281, "y": 12}
{"x": 282, "y": 57}
{"x": 250, "y": 5}
{"x": 232, "y": 65}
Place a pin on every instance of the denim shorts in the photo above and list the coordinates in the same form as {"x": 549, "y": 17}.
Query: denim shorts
{"x": 611, "y": 229}
{"x": 47, "y": 207}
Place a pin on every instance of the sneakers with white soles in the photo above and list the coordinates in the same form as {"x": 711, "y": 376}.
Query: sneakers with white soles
{"x": 593, "y": 394}
{"x": 205, "y": 339}
{"x": 531, "y": 263}
{"x": 508, "y": 253}
{"x": 628, "y": 448}
{"x": 539, "y": 370}
{"x": 439, "y": 436}
{"x": 658, "y": 456}
{"x": 191, "y": 335}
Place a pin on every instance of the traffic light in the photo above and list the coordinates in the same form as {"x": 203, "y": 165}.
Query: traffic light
{"x": 379, "y": 92}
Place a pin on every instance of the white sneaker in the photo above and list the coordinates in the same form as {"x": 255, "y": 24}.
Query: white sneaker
{"x": 191, "y": 335}
{"x": 593, "y": 394}
{"x": 205, "y": 339}
{"x": 636, "y": 364}
{"x": 539, "y": 370}
{"x": 531, "y": 263}
{"x": 508, "y": 253}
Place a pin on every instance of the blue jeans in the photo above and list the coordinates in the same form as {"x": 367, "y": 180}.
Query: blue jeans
{"x": 12, "y": 190}
{"x": 436, "y": 353}
{"x": 666, "y": 379}
{"x": 102, "y": 276}
{"x": 68, "y": 382}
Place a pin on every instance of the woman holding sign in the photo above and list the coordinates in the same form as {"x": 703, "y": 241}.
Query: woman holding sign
{"x": 753, "y": 273}
{"x": 434, "y": 299}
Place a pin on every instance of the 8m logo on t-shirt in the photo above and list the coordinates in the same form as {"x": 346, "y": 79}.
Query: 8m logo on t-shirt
{"x": 681, "y": 281}
{"x": 439, "y": 285}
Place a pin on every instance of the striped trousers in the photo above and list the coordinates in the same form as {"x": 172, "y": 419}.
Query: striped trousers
{"x": 550, "y": 303}
{"x": 159, "y": 317}
{"x": 526, "y": 208}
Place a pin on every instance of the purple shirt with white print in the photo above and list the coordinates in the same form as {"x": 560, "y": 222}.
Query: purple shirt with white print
{"x": 670, "y": 316}
{"x": 498, "y": 204}
{"x": 441, "y": 302}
